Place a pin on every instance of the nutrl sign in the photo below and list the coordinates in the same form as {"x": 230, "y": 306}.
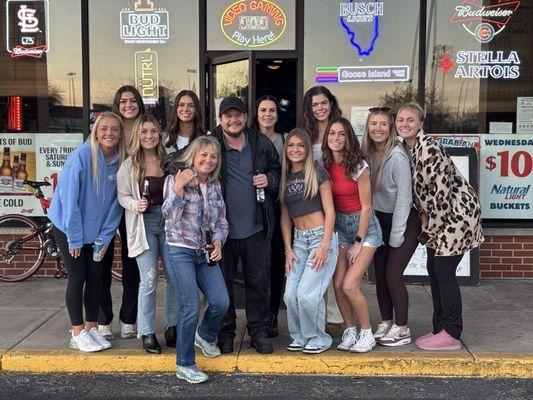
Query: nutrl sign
{"x": 144, "y": 24}
{"x": 484, "y": 22}
{"x": 27, "y": 28}
{"x": 253, "y": 23}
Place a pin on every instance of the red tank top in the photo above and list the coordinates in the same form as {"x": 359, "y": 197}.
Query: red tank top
{"x": 345, "y": 190}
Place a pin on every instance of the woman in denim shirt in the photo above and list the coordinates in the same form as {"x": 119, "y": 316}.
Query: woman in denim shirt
{"x": 194, "y": 207}
{"x": 306, "y": 203}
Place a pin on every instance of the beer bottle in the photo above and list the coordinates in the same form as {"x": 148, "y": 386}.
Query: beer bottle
{"x": 21, "y": 174}
{"x": 6, "y": 178}
{"x": 145, "y": 195}
{"x": 209, "y": 247}
{"x": 259, "y": 193}
{"x": 15, "y": 169}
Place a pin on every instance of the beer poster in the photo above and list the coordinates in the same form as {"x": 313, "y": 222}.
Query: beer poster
{"x": 31, "y": 156}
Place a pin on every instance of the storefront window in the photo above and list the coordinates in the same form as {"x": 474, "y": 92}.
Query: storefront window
{"x": 366, "y": 53}
{"x": 41, "y": 98}
{"x": 152, "y": 45}
{"x": 251, "y": 25}
{"x": 40, "y": 83}
{"x": 479, "y": 71}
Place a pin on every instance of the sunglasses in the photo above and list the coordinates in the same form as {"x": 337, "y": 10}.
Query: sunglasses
{"x": 377, "y": 109}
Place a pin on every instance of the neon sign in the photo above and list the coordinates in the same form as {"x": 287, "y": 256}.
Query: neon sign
{"x": 359, "y": 14}
{"x": 144, "y": 24}
{"x": 147, "y": 75}
{"x": 484, "y": 22}
{"x": 388, "y": 73}
{"x": 483, "y": 64}
{"x": 27, "y": 28}
{"x": 253, "y": 23}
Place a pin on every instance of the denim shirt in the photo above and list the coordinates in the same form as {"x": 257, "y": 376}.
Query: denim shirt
{"x": 185, "y": 222}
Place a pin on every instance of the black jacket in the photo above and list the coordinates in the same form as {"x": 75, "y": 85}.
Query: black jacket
{"x": 265, "y": 160}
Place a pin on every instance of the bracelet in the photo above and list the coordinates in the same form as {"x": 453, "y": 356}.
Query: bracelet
{"x": 358, "y": 239}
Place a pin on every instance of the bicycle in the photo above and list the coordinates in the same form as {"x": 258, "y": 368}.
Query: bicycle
{"x": 26, "y": 244}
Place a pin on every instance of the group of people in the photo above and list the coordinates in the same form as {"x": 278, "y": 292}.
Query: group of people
{"x": 308, "y": 211}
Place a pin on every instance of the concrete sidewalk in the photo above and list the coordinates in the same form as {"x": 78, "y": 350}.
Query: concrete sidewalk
{"x": 497, "y": 338}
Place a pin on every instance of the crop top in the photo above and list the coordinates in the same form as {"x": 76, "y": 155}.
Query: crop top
{"x": 294, "y": 193}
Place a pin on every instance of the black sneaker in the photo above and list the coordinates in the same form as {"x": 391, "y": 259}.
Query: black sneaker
{"x": 262, "y": 345}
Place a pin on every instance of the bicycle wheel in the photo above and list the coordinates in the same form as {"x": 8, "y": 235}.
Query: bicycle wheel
{"x": 21, "y": 248}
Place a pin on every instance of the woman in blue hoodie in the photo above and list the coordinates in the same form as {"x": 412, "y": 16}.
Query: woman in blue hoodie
{"x": 85, "y": 207}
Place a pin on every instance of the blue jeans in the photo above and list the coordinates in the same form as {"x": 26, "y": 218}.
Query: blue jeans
{"x": 347, "y": 224}
{"x": 154, "y": 225}
{"x": 188, "y": 271}
{"x": 305, "y": 288}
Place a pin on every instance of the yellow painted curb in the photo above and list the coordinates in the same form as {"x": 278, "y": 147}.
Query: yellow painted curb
{"x": 109, "y": 361}
{"x": 281, "y": 362}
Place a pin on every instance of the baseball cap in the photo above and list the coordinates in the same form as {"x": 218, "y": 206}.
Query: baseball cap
{"x": 231, "y": 102}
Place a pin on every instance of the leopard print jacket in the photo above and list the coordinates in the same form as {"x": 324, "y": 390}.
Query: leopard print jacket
{"x": 440, "y": 191}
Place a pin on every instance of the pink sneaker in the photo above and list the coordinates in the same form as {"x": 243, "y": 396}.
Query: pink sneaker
{"x": 426, "y": 336}
{"x": 440, "y": 341}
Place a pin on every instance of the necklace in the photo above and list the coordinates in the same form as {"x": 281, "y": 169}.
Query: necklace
{"x": 151, "y": 161}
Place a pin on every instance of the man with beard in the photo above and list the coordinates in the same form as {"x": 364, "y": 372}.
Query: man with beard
{"x": 250, "y": 165}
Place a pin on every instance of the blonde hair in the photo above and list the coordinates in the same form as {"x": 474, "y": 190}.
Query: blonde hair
{"x": 415, "y": 108}
{"x": 369, "y": 148}
{"x": 120, "y": 149}
{"x": 137, "y": 153}
{"x": 309, "y": 168}
{"x": 187, "y": 158}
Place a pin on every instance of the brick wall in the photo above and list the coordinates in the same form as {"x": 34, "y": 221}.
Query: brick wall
{"x": 506, "y": 257}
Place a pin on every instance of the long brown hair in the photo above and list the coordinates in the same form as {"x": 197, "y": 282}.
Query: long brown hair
{"x": 174, "y": 126}
{"x": 353, "y": 156}
{"x": 307, "y": 119}
{"x": 137, "y": 153}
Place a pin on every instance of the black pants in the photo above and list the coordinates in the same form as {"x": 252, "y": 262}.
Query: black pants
{"x": 447, "y": 306}
{"x": 277, "y": 264}
{"x": 254, "y": 252}
{"x": 389, "y": 265}
{"x": 130, "y": 282}
{"x": 84, "y": 284}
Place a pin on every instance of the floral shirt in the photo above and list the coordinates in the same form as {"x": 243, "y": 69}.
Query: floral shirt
{"x": 440, "y": 191}
{"x": 186, "y": 220}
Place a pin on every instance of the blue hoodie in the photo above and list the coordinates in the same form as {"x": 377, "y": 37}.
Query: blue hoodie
{"x": 81, "y": 211}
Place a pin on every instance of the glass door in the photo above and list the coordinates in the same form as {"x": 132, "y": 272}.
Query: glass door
{"x": 229, "y": 75}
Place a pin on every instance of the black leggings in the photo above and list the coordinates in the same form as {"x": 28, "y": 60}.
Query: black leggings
{"x": 445, "y": 292}
{"x": 82, "y": 271}
{"x": 130, "y": 282}
{"x": 389, "y": 265}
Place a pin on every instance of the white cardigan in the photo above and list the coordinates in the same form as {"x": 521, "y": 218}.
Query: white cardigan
{"x": 128, "y": 194}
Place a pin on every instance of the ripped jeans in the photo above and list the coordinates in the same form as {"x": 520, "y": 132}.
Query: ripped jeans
{"x": 154, "y": 225}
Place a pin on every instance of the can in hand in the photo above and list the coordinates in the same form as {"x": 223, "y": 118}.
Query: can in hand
{"x": 98, "y": 246}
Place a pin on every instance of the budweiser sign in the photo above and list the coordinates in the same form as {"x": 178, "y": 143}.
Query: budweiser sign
{"x": 484, "y": 22}
{"x": 27, "y": 28}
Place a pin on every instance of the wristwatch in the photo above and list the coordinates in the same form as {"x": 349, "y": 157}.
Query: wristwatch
{"x": 358, "y": 239}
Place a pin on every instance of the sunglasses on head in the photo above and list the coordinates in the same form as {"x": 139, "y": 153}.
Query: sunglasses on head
{"x": 376, "y": 109}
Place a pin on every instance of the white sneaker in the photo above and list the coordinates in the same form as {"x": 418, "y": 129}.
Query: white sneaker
{"x": 84, "y": 342}
{"x": 208, "y": 349}
{"x": 395, "y": 337}
{"x": 365, "y": 342}
{"x": 106, "y": 332}
{"x": 349, "y": 337}
{"x": 127, "y": 331}
{"x": 97, "y": 336}
{"x": 382, "y": 330}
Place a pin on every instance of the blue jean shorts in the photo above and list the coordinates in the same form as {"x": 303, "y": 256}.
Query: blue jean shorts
{"x": 347, "y": 224}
